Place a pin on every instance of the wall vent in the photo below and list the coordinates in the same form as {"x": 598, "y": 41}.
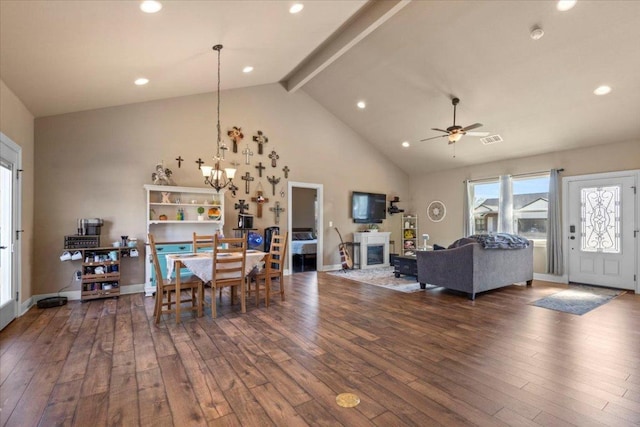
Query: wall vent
{"x": 491, "y": 139}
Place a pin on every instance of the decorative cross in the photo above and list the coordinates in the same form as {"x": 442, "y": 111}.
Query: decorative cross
{"x": 260, "y": 169}
{"x": 286, "y": 171}
{"x": 236, "y": 136}
{"x": 260, "y": 200}
{"x": 273, "y": 156}
{"x": 247, "y": 153}
{"x": 200, "y": 162}
{"x": 223, "y": 148}
{"x": 247, "y": 178}
{"x": 261, "y": 139}
{"x": 276, "y": 210}
{"x": 180, "y": 160}
{"x": 273, "y": 181}
{"x": 241, "y": 205}
{"x": 233, "y": 189}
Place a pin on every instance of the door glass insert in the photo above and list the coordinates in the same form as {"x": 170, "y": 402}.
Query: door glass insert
{"x": 600, "y": 219}
{"x": 6, "y": 196}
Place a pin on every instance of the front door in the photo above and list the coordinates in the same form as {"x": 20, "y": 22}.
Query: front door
{"x": 9, "y": 196}
{"x": 602, "y": 248}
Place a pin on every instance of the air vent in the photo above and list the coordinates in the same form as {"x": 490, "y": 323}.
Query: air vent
{"x": 491, "y": 139}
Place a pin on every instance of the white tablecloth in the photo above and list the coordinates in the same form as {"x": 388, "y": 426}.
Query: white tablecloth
{"x": 200, "y": 263}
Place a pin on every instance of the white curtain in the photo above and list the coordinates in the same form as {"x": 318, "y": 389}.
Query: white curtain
{"x": 505, "y": 218}
{"x": 467, "y": 209}
{"x": 554, "y": 226}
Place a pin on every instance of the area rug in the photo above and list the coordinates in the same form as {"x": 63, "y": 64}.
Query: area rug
{"x": 382, "y": 277}
{"x": 578, "y": 299}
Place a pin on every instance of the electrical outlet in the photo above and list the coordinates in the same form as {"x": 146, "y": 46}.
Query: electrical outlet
{"x": 77, "y": 275}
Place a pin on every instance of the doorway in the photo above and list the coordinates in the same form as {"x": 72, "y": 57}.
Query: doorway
{"x": 305, "y": 216}
{"x": 10, "y": 163}
{"x": 601, "y": 228}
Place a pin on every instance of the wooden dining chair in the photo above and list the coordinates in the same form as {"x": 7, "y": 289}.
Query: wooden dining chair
{"x": 277, "y": 255}
{"x": 202, "y": 241}
{"x": 166, "y": 288}
{"x": 229, "y": 261}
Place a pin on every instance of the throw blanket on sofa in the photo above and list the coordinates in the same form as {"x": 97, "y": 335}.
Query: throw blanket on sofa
{"x": 500, "y": 241}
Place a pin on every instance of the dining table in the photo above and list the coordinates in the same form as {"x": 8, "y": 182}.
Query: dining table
{"x": 201, "y": 264}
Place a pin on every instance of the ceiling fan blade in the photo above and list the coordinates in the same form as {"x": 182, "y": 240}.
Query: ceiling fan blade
{"x": 473, "y": 126}
{"x": 481, "y": 134}
{"x": 440, "y": 130}
{"x": 433, "y": 137}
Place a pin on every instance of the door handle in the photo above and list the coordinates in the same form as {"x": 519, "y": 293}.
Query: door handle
{"x": 3, "y": 247}
{"x": 573, "y": 237}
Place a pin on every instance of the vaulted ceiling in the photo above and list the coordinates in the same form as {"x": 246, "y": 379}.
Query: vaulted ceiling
{"x": 404, "y": 59}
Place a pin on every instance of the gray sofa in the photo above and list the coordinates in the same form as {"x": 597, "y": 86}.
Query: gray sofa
{"x": 471, "y": 268}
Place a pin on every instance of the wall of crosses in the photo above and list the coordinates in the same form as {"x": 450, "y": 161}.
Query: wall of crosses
{"x": 261, "y": 175}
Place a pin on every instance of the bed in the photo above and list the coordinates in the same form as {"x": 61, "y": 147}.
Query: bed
{"x": 303, "y": 245}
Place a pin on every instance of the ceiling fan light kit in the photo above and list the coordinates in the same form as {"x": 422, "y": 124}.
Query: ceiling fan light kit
{"x": 455, "y": 132}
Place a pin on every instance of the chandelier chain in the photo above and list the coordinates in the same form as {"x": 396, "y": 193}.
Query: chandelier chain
{"x": 218, "y": 48}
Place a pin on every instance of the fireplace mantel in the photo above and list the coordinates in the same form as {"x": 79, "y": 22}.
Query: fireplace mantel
{"x": 373, "y": 241}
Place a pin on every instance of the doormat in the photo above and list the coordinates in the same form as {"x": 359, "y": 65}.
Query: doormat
{"x": 578, "y": 299}
{"x": 382, "y": 277}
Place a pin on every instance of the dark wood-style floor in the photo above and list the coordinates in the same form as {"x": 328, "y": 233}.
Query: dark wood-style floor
{"x": 421, "y": 359}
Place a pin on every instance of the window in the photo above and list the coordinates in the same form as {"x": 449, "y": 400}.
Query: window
{"x": 529, "y": 209}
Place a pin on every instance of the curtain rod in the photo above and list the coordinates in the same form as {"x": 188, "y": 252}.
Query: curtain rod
{"x": 517, "y": 175}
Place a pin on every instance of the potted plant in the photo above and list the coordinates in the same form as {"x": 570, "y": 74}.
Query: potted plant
{"x": 373, "y": 228}
{"x": 200, "y": 213}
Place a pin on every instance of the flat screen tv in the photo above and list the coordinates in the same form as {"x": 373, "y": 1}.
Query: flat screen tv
{"x": 368, "y": 208}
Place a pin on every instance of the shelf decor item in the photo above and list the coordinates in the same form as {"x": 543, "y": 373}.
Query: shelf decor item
{"x": 200, "y": 213}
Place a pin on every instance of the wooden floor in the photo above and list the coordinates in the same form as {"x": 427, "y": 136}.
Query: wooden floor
{"x": 421, "y": 359}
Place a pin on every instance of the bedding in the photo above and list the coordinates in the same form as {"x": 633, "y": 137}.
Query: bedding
{"x": 303, "y": 244}
{"x": 303, "y": 241}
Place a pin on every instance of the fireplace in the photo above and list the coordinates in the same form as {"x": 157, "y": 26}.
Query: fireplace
{"x": 373, "y": 250}
{"x": 375, "y": 254}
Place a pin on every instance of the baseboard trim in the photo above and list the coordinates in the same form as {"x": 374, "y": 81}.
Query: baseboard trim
{"x": 551, "y": 278}
{"x": 74, "y": 296}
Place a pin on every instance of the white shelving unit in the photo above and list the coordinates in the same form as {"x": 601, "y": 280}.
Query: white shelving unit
{"x": 162, "y": 218}
{"x": 409, "y": 234}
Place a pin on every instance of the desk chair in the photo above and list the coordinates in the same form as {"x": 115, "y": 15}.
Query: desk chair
{"x": 165, "y": 288}
{"x": 229, "y": 271}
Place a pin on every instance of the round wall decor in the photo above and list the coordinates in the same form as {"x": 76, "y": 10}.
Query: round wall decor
{"x": 436, "y": 211}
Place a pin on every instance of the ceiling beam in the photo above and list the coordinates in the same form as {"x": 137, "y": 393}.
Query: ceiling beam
{"x": 370, "y": 17}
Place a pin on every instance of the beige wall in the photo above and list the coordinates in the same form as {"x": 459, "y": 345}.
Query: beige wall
{"x": 94, "y": 164}
{"x": 16, "y": 122}
{"x": 303, "y": 200}
{"x": 448, "y": 186}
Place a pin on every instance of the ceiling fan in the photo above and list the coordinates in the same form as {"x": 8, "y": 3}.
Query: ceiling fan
{"x": 455, "y": 132}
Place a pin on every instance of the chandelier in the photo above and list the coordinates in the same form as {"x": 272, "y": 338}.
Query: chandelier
{"x": 213, "y": 175}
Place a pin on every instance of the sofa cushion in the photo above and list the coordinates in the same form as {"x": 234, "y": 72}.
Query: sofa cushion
{"x": 461, "y": 242}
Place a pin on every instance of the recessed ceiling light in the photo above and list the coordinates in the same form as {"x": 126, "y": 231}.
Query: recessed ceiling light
{"x": 247, "y": 69}
{"x": 361, "y": 104}
{"x": 141, "y": 81}
{"x": 602, "y": 90}
{"x": 564, "y": 5}
{"x": 406, "y": 144}
{"x": 297, "y": 7}
{"x": 150, "y": 6}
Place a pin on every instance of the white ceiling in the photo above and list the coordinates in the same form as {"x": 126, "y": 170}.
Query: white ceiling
{"x": 406, "y": 59}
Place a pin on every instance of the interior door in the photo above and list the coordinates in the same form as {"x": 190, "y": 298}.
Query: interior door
{"x": 9, "y": 161}
{"x": 602, "y": 219}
